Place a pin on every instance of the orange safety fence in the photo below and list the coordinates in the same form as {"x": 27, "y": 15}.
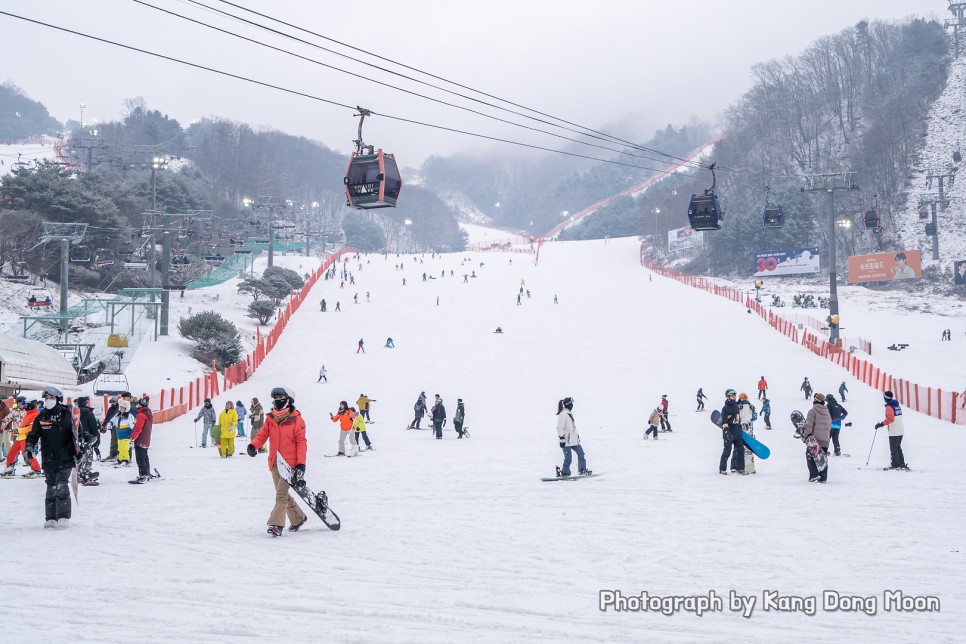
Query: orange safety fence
{"x": 945, "y": 405}
{"x": 172, "y": 403}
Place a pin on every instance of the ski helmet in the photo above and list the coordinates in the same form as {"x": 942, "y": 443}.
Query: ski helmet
{"x": 730, "y": 392}
{"x": 887, "y": 396}
{"x": 144, "y": 400}
{"x": 52, "y": 392}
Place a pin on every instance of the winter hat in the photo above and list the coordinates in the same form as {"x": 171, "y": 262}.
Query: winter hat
{"x": 887, "y": 396}
{"x": 124, "y": 405}
{"x": 459, "y": 400}
{"x": 819, "y": 398}
{"x": 663, "y": 395}
{"x": 568, "y": 402}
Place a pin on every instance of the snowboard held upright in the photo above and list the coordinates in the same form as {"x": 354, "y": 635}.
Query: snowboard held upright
{"x": 756, "y": 446}
{"x": 317, "y": 502}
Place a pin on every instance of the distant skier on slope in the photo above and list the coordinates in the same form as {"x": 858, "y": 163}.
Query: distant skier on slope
{"x": 897, "y": 429}
{"x": 701, "y": 399}
{"x": 439, "y": 417}
{"x": 807, "y": 388}
{"x": 420, "y": 410}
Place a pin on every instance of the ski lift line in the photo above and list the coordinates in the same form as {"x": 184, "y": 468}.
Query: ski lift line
{"x": 417, "y": 94}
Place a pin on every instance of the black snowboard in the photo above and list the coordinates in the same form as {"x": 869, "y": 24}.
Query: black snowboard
{"x": 317, "y": 502}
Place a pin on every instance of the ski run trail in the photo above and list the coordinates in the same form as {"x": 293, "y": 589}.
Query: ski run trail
{"x": 459, "y": 541}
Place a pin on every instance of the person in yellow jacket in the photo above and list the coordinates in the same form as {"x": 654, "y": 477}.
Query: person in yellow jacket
{"x": 363, "y": 404}
{"x": 228, "y": 426}
{"x": 20, "y": 443}
{"x": 359, "y": 425}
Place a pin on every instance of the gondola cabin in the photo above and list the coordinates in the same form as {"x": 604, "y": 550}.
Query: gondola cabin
{"x": 703, "y": 212}
{"x": 372, "y": 181}
{"x": 871, "y": 219}
{"x": 773, "y": 217}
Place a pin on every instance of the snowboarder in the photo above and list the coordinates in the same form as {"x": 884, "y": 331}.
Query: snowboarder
{"x": 322, "y": 375}
{"x": 241, "y": 412}
{"x": 747, "y": 415}
{"x": 818, "y": 423}
{"x": 141, "y": 435}
{"x": 731, "y": 435}
{"x": 652, "y": 422}
{"x": 665, "y": 423}
{"x": 439, "y": 417}
{"x": 766, "y": 412}
{"x": 284, "y": 430}
{"x": 227, "y": 428}
{"x": 762, "y": 388}
{"x": 322, "y": 305}
{"x": 338, "y": 306}
{"x": 569, "y": 438}
{"x": 701, "y": 399}
{"x": 807, "y": 388}
{"x": 207, "y": 417}
{"x": 458, "y": 417}
{"x": 89, "y": 435}
{"x": 843, "y": 390}
{"x": 361, "y": 346}
{"x": 897, "y": 428}
{"x": 420, "y": 410}
{"x": 344, "y": 416}
{"x": 53, "y": 427}
{"x": 837, "y": 413}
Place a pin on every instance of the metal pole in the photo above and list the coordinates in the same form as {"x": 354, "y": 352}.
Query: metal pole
{"x": 271, "y": 240}
{"x": 833, "y": 299}
{"x": 942, "y": 195}
{"x": 165, "y": 286}
{"x": 935, "y": 227}
{"x": 152, "y": 258}
{"x": 64, "y": 260}
{"x": 154, "y": 188}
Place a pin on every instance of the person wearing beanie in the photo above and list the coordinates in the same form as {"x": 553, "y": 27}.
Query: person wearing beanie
{"x": 459, "y": 417}
{"x": 207, "y": 415}
{"x": 652, "y": 422}
{"x": 141, "y": 435}
{"x": 806, "y": 388}
{"x": 838, "y": 413}
{"x": 438, "y": 414}
{"x": 569, "y": 439}
{"x": 762, "y": 388}
{"x": 893, "y": 420}
{"x": 731, "y": 435}
{"x": 818, "y": 423}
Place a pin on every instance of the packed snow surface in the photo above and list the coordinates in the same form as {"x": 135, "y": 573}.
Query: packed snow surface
{"x": 458, "y": 540}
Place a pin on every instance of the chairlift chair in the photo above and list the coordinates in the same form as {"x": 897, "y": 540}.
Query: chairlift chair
{"x": 372, "y": 177}
{"x": 214, "y": 258}
{"x": 80, "y": 254}
{"x": 111, "y": 384}
{"x": 103, "y": 257}
{"x": 35, "y": 301}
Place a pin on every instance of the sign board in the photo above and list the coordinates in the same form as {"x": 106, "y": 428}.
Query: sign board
{"x": 902, "y": 265}
{"x": 681, "y": 238}
{"x": 791, "y": 261}
{"x": 959, "y": 272}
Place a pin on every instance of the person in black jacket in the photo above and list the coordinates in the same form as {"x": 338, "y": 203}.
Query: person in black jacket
{"x": 108, "y": 415}
{"x": 838, "y": 414}
{"x": 89, "y": 435}
{"x": 439, "y": 417}
{"x": 731, "y": 434}
{"x": 54, "y": 427}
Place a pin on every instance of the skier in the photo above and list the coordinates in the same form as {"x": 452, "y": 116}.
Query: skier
{"x": 322, "y": 375}
{"x": 731, "y": 434}
{"x": 257, "y": 414}
{"x": 569, "y": 439}
{"x": 322, "y": 306}
{"x": 665, "y": 423}
{"x": 766, "y": 412}
{"x": 762, "y": 388}
{"x": 338, "y": 306}
{"x": 843, "y": 390}
{"x": 363, "y": 402}
{"x": 207, "y": 415}
{"x": 390, "y": 344}
{"x": 241, "y": 412}
{"x": 807, "y": 388}
{"x": 111, "y": 412}
{"x": 439, "y": 417}
{"x": 20, "y": 443}
{"x": 893, "y": 418}
{"x": 652, "y": 422}
{"x": 142, "y": 439}
{"x": 361, "y": 347}
{"x": 345, "y": 418}
{"x": 53, "y": 427}
{"x": 458, "y": 417}
{"x": 359, "y": 424}
{"x": 420, "y": 409}
{"x": 837, "y": 413}
{"x": 89, "y": 434}
{"x": 818, "y": 423}
{"x": 747, "y": 415}
{"x": 701, "y": 399}
{"x": 121, "y": 425}
{"x": 227, "y": 429}
{"x": 284, "y": 431}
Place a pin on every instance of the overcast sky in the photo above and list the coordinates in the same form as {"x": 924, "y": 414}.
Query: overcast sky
{"x": 591, "y": 62}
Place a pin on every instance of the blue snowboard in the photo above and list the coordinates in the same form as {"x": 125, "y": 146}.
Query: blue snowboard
{"x": 756, "y": 446}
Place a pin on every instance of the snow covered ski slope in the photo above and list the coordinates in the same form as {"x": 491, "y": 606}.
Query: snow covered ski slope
{"x": 458, "y": 540}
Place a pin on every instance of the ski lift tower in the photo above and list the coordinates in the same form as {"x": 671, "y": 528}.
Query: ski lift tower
{"x": 66, "y": 234}
{"x": 958, "y": 9}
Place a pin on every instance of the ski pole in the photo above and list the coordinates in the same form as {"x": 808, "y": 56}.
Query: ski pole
{"x": 870, "y": 447}
{"x": 196, "y": 432}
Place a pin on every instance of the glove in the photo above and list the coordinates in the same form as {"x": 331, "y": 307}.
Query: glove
{"x": 251, "y": 450}
{"x": 298, "y": 476}
{"x": 563, "y": 443}
{"x": 879, "y": 425}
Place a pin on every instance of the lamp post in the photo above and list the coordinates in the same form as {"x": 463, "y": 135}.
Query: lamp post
{"x": 82, "y": 106}
{"x": 157, "y": 163}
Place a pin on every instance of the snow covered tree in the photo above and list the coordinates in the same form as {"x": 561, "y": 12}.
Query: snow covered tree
{"x": 261, "y": 310}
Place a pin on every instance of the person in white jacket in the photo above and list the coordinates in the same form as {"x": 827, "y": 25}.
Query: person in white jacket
{"x": 569, "y": 439}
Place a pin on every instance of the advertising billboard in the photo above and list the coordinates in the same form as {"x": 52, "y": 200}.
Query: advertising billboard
{"x": 959, "y": 272}
{"x": 791, "y": 261}
{"x": 681, "y": 238}
{"x": 902, "y": 265}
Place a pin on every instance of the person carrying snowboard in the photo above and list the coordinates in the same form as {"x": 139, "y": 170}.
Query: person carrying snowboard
{"x": 701, "y": 399}
{"x": 766, "y": 412}
{"x": 747, "y": 415}
{"x": 893, "y": 420}
{"x": 420, "y": 409}
{"x": 807, "y": 388}
{"x": 53, "y": 428}
{"x": 569, "y": 439}
{"x": 762, "y": 388}
{"x": 458, "y": 417}
{"x": 284, "y": 431}
{"x": 838, "y": 413}
{"x": 665, "y": 423}
{"x": 207, "y": 415}
{"x": 652, "y": 422}
{"x": 89, "y": 434}
{"x": 439, "y": 417}
{"x": 345, "y": 417}
{"x": 731, "y": 435}
{"x": 818, "y": 423}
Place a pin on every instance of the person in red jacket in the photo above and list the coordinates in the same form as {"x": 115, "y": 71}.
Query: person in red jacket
{"x": 141, "y": 437}
{"x": 284, "y": 430}
{"x": 762, "y": 389}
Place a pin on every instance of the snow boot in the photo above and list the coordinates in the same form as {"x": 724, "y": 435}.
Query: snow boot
{"x": 586, "y": 472}
{"x": 295, "y": 526}
{"x": 275, "y": 530}
{"x": 50, "y": 523}
{"x": 723, "y": 472}
{"x": 62, "y": 524}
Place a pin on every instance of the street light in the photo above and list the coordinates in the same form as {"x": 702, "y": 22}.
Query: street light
{"x": 157, "y": 163}
{"x": 82, "y": 106}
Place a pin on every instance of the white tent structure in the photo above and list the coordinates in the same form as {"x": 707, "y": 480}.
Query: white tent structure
{"x": 28, "y": 364}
